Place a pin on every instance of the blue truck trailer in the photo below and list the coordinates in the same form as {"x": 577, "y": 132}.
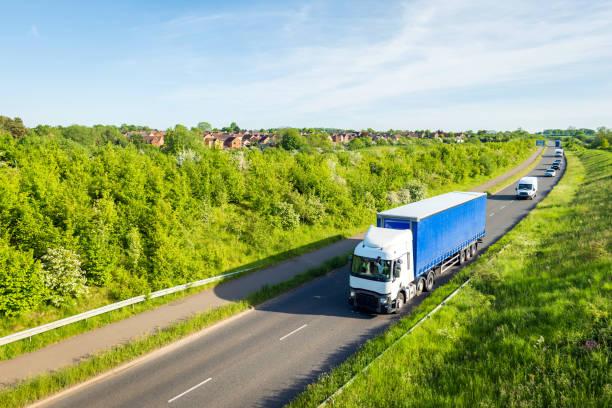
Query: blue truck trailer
{"x": 413, "y": 244}
{"x": 557, "y": 143}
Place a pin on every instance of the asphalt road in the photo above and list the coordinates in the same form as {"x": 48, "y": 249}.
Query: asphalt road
{"x": 266, "y": 357}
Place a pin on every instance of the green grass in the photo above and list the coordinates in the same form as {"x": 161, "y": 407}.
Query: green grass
{"x": 532, "y": 329}
{"x": 100, "y": 298}
{"x": 37, "y": 388}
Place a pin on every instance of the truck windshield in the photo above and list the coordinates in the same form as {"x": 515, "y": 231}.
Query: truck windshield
{"x": 524, "y": 186}
{"x": 374, "y": 269}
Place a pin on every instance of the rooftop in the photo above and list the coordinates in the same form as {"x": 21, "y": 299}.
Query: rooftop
{"x": 422, "y": 209}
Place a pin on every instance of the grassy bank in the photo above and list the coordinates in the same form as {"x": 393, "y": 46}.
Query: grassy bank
{"x": 37, "y": 388}
{"x": 96, "y": 299}
{"x": 532, "y": 329}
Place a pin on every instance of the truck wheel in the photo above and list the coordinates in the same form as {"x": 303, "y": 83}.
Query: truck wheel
{"x": 420, "y": 286}
{"x": 399, "y": 302}
{"x": 472, "y": 250}
{"x": 429, "y": 282}
{"x": 462, "y": 257}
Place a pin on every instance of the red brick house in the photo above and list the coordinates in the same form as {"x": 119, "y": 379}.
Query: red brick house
{"x": 233, "y": 142}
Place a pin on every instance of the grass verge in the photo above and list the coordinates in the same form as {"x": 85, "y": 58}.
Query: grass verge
{"x": 532, "y": 329}
{"x": 42, "y": 386}
{"x": 42, "y": 340}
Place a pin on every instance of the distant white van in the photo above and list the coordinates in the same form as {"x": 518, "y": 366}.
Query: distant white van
{"x": 527, "y": 187}
{"x": 558, "y": 152}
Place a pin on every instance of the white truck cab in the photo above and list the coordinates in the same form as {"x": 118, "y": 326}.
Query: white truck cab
{"x": 527, "y": 187}
{"x": 381, "y": 270}
{"x": 558, "y": 152}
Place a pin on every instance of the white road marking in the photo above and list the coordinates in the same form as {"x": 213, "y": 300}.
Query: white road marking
{"x": 295, "y": 331}
{"x": 492, "y": 214}
{"x": 189, "y": 390}
{"x": 501, "y": 208}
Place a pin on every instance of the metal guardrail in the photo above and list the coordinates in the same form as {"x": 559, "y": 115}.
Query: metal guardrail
{"x": 364, "y": 369}
{"x": 108, "y": 308}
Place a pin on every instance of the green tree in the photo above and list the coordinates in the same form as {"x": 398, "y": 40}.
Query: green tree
{"x": 204, "y": 126}
{"x": 180, "y": 138}
{"x": 356, "y": 143}
{"x": 290, "y": 139}
{"x": 13, "y": 126}
{"x": 137, "y": 140}
{"x": 21, "y": 287}
{"x": 603, "y": 138}
{"x": 233, "y": 127}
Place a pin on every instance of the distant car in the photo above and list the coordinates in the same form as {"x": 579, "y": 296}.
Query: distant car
{"x": 558, "y": 161}
{"x": 556, "y": 166}
{"x": 550, "y": 173}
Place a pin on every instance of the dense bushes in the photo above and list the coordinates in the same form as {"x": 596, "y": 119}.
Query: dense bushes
{"x": 141, "y": 219}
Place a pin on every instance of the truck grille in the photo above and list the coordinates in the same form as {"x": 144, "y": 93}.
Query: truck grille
{"x": 365, "y": 300}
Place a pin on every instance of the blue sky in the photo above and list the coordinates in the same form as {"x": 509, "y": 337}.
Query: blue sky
{"x": 452, "y": 65}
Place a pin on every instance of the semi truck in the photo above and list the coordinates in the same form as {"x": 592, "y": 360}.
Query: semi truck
{"x": 411, "y": 246}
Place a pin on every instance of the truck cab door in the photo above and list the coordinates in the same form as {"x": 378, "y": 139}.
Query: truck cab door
{"x": 407, "y": 274}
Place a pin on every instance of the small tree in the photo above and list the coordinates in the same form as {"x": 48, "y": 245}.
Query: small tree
{"x": 21, "y": 288}
{"x": 356, "y": 143}
{"x": 62, "y": 275}
{"x": 180, "y": 138}
{"x": 291, "y": 139}
{"x": 204, "y": 126}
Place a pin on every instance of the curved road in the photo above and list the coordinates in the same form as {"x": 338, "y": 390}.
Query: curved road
{"x": 267, "y": 356}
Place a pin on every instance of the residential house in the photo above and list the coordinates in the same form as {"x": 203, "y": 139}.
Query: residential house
{"x": 233, "y": 142}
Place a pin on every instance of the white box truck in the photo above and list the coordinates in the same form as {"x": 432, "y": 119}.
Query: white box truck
{"x": 527, "y": 188}
{"x": 411, "y": 245}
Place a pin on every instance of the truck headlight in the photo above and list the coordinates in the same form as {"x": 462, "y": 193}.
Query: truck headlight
{"x": 352, "y": 294}
{"x": 384, "y": 300}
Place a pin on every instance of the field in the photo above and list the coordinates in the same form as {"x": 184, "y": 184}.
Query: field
{"x": 533, "y": 328}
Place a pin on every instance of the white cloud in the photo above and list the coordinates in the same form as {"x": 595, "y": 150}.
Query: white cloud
{"x": 436, "y": 46}
{"x": 34, "y": 31}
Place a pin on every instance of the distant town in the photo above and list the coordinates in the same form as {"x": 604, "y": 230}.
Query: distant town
{"x": 246, "y": 138}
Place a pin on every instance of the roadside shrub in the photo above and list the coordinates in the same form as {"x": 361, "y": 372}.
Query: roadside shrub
{"x": 417, "y": 190}
{"x": 21, "y": 287}
{"x": 286, "y": 215}
{"x": 411, "y": 192}
{"x": 62, "y": 275}
{"x": 311, "y": 209}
